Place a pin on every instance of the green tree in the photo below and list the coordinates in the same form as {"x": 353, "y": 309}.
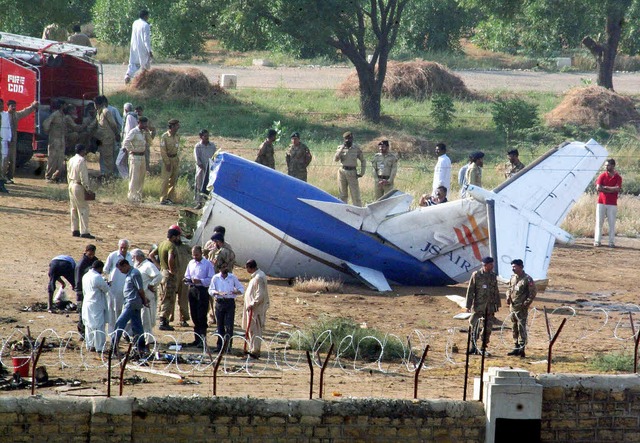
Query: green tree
{"x": 178, "y": 27}
{"x": 364, "y": 31}
{"x": 550, "y": 24}
{"x": 435, "y": 25}
{"x": 15, "y": 19}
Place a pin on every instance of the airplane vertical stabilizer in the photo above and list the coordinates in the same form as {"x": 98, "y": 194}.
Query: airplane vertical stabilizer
{"x": 530, "y": 206}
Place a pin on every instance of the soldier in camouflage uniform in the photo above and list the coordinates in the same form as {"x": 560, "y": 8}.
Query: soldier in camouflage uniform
{"x": 385, "y": 166}
{"x": 520, "y": 295}
{"x": 298, "y": 158}
{"x": 266, "y": 155}
{"x": 515, "y": 165}
{"x": 483, "y": 296}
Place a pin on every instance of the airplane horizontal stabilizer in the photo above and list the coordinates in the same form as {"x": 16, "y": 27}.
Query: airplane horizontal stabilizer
{"x": 370, "y": 277}
{"x": 367, "y": 218}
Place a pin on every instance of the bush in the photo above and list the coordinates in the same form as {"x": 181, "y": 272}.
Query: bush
{"x": 512, "y": 115}
{"x": 613, "y": 362}
{"x": 349, "y": 336}
{"x": 442, "y": 110}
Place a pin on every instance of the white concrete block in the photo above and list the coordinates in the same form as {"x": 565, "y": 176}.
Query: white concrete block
{"x": 563, "y": 62}
{"x": 262, "y": 62}
{"x": 512, "y": 394}
{"x": 228, "y": 81}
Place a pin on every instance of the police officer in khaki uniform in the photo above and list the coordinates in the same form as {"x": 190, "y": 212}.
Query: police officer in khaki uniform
{"x": 72, "y": 129}
{"x": 522, "y": 290}
{"x": 298, "y": 158}
{"x": 169, "y": 144}
{"x": 474, "y": 172}
{"x": 78, "y": 178}
{"x": 107, "y": 135}
{"x": 348, "y": 154}
{"x": 385, "y": 166}
{"x": 135, "y": 142}
{"x": 54, "y": 126}
{"x": 483, "y": 296}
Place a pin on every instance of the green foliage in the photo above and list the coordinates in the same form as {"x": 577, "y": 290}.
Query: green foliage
{"x": 112, "y": 20}
{"x": 435, "y": 25}
{"x": 549, "y": 27}
{"x": 243, "y": 28}
{"x": 613, "y": 362}
{"x": 178, "y": 28}
{"x": 442, "y": 110}
{"x": 512, "y": 115}
{"x": 281, "y": 130}
{"x": 349, "y": 338}
{"x": 30, "y": 18}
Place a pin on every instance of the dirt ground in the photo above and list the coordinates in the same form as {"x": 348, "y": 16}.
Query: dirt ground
{"x": 593, "y": 288}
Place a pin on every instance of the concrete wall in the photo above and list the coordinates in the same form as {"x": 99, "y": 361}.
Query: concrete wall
{"x": 575, "y": 408}
{"x": 179, "y": 419}
{"x": 584, "y": 408}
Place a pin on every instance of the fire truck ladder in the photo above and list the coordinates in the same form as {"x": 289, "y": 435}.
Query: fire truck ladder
{"x": 25, "y": 43}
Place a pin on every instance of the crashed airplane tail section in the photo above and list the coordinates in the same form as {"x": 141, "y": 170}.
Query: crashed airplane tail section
{"x": 294, "y": 229}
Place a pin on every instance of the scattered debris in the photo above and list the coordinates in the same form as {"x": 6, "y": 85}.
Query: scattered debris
{"x": 63, "y": 307}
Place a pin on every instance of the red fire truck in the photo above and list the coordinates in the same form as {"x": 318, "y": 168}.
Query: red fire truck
{"x": 33, "y": 69}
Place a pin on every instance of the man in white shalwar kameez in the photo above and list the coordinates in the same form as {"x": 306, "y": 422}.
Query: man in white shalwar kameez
{"x": 256, "y": 303}
{"x": 151, "y": 278}
{"x": 116, "y": 279}
{"x": 95, "y": 292}
{"x": 140, "y": 50}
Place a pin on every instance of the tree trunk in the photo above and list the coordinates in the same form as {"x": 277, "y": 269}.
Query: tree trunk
{"x": 370, "y": 96}
{"x": 605, "y": 53}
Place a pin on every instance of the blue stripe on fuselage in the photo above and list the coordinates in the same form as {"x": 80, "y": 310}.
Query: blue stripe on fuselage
{"x": 273, "y": 197}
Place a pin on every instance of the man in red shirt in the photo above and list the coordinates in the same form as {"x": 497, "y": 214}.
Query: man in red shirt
{"x": 608, "y": 185}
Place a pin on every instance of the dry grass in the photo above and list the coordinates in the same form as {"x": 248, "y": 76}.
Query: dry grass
{"x": 175, "y": 84}
{"x": 581, "y": 219}
{"x": 418, "y": 80}
{"x": 593, "y": 106}
{"x": 317, "y": 284}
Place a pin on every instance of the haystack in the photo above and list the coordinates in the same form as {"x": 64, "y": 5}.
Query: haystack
{"x": 593, "y": 106}
{"x": 176, "y": 84}
{"x": 418, "y": 80}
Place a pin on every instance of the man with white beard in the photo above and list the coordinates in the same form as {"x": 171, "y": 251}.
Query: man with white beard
{"x": 116, "y": 280}
{"x": 94, "y": 307}
{"x": 151, "y": 277}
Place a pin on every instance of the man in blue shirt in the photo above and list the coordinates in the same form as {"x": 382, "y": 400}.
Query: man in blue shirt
{"x": 134, "y": 300}
{"x": 60, "y": 266}
{"x": 198, "y": 277}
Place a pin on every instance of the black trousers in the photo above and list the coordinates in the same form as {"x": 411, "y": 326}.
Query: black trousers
{"x": 198, "y": 307}
{"x": 58, "y": 269}
{"x": 225, "y": 313}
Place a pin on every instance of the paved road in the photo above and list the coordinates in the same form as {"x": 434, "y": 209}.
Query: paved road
{"x": 331, "y": 77}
